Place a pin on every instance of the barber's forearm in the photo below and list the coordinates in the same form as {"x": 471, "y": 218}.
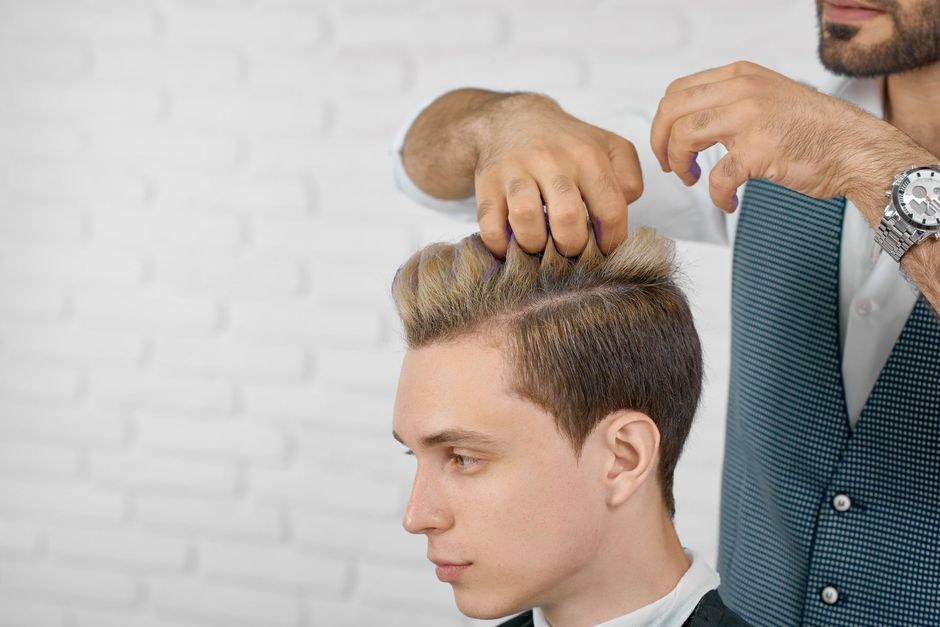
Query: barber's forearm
{"x": 922, "y": 261}
{"x": 440, "y": 149}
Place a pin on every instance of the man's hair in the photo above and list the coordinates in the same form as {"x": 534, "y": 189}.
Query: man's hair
{"x": 584, "y": 337}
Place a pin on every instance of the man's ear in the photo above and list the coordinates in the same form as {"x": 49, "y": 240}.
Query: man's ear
{"x": 631, "y": 439}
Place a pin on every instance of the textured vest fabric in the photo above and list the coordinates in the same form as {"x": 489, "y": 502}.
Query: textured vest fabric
{"x": 789, "y": 449}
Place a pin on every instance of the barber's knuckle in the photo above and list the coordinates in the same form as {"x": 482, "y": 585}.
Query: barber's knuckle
{"x": 486, "y": 207}
{"x": 561, "y": 184}
{"x": 526, "y": 211}
{"x": 612, "y": 214}
{"x": 741, "y": 67}
{"x": 681, "y": 128}
{"x": 541, "y": 154}
{"x": 517, "y": 185}
{"x": 675, "y": 84}
{"x": 701, "y": 119}
{"x": 751, "y": 108}
{"x": 674, "y": 153}
{"x": 606, "y": 183}
{"x": 581, "y": 152}
{"x": 628, "y": 147}
{"x": 567, "y": 218}
{"x": 633, "y": 190}
{"x": 666, "y": 106}
{"x": 726, "y": 171}
{"x": 751, "y": 83}
{"x": 698, "y": 91}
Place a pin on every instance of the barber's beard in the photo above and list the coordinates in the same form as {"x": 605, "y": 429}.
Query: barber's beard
{"x": 914, "y": 44}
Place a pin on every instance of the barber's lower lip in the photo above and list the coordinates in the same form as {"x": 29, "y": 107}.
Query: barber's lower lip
{"x": 451, "y": 572}
{"x": 836, "y": 13}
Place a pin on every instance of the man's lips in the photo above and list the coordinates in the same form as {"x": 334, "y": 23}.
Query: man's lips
{"x": 449, "y": 571}
{"x": 849, "y": 11}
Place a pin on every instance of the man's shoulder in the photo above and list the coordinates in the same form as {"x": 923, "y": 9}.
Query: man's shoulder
{"x": 521, "y": 620}
{"x": 712, "y": 611}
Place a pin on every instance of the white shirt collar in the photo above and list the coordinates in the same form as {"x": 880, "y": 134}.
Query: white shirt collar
{"x": 671, "y": 610}
{"x": 865, "y": 93}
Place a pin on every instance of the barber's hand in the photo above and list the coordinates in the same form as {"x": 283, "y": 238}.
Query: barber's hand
{"x": 529, "y": 150}
{"x": 773, "y": 128}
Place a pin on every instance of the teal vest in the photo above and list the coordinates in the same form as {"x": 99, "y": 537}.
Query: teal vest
{"x": 789, "y": 453}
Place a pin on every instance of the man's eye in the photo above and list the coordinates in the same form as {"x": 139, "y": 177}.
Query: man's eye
{"x": 463, "y": 461}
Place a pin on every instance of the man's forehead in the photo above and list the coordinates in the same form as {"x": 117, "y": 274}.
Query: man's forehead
{"x": 453, "y": 393}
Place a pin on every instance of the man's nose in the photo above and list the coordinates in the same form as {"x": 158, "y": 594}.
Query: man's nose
{"x": 427, "y": 511}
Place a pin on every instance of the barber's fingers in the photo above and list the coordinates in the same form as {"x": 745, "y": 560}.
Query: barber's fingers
{"x": 697, "y": 131}
{"x": 564, "y": 186}
{"x": 701, "y": 101}
{"x": 493, "y": 214}
{"x": 607, "y": 207}
{"x": 625, "y": 166}
{"x": 730, "y": 173}
{"x": 526, "y": 213}
{"x": 566, "y": 212}
{"x": 724, "y": 72}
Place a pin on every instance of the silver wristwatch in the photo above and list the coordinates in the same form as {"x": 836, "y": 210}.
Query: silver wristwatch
{"x": 913, "y": 211}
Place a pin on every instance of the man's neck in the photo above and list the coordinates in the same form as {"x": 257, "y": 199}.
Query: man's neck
{"x": 640, "y": 571}
{"x": 912, "y": 101}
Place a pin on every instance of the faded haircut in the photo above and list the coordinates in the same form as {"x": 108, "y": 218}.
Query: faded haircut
{"x": 584, "y": 337}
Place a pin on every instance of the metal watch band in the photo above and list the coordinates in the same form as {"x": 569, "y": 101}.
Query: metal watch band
{"x": 895, "y": 236}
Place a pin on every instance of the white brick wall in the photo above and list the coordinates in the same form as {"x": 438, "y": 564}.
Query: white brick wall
{"x": 198, "y": 229}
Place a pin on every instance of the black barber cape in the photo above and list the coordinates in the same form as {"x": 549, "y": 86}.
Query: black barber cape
{"x": 710, "y": 612}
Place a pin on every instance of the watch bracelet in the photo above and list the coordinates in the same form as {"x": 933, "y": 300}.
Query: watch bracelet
{"x": 892, "y": 239}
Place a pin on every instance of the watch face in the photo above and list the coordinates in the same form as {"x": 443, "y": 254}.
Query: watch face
{"x": 917, "y": 198}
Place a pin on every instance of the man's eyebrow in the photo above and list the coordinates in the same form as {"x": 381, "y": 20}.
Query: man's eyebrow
{"x": 455, "y": 435}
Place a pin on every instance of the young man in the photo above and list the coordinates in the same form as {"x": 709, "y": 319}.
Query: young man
{"x": 831, "y": 482}
{"x": 546, "y": 401}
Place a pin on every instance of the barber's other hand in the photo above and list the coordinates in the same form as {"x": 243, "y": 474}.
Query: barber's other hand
{"x": 530, "y": 150}
{"x": 773, "y": 128}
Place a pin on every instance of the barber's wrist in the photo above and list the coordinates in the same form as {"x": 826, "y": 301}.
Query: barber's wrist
{"x": 874, "y": 169}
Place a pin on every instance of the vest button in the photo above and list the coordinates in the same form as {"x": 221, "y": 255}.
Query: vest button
{"x": 829, "y": 595}
{"x": 841, "y": 502}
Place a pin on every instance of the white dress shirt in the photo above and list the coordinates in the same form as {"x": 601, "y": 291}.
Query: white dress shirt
{"x": 874, "y": 298}
{"x": 669, "y": 611}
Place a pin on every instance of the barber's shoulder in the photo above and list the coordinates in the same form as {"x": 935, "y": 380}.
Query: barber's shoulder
{"x": 521, "y": 620}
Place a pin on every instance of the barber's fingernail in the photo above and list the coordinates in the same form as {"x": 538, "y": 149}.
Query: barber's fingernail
{"x": 694, "y": 169}
{"x": 734, "y": 202}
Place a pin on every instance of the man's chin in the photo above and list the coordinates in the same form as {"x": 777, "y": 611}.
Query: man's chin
{"x": 486, "y": 608}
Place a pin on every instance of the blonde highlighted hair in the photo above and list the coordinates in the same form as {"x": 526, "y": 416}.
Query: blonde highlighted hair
{"x": 585, "y": 336}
